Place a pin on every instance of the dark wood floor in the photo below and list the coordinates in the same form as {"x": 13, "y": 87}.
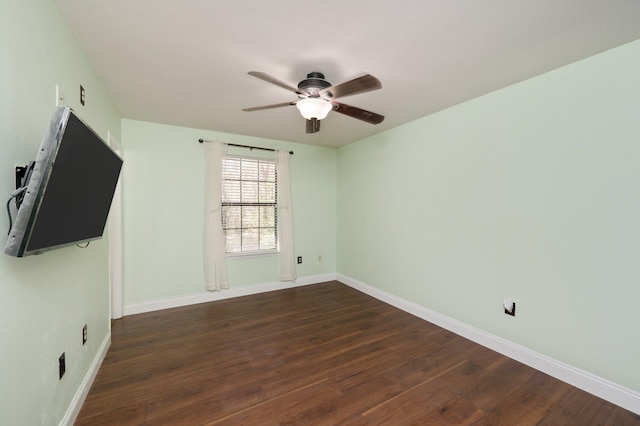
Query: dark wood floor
{"x": 322, "y": 354}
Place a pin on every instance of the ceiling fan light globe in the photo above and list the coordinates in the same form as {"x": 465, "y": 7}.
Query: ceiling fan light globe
{"x": 314, "y": 108}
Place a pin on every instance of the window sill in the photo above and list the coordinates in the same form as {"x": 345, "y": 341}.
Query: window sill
{"x": 251, "y": 254}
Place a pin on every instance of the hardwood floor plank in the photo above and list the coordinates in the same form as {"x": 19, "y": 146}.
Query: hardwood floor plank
{"x": 458, "y": 411}
{"x": 318, "y": 355}
{"x": 523, "y": 407}
{"x": 580, "y": 408}
{"x": 311, "y": 404}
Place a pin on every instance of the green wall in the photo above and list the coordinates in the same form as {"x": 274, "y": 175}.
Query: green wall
{"x": 163, "y": 191}
{"x": 530, "y": 192}
{"x": 45, "y": 300}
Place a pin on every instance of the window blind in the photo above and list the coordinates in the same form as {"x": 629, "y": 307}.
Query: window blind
{"x": 249, "y": 204}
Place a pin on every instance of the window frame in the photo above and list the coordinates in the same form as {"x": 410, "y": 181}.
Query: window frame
{"x": 251, "y": 253}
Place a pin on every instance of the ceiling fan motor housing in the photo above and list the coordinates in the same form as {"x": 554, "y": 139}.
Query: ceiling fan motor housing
{"x": 313, "y": 84}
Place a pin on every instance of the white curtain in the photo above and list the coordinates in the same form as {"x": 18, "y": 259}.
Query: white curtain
{"x": 285, "y": 220}
{"x": 215, "y": 261}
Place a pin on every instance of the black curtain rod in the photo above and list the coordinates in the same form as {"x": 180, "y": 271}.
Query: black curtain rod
{"x": 248, "y": 146}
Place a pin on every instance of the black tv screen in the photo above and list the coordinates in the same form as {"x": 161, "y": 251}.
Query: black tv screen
{"x": 70, "y": 190}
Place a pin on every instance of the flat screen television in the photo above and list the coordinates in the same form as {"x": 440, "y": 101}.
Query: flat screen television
{"x": 69, "y": 191}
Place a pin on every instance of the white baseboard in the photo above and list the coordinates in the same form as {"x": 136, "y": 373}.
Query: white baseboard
{"x": 598, "y": 386}
{"x": 81, "y": 394}
{"x": 205, "y": 296}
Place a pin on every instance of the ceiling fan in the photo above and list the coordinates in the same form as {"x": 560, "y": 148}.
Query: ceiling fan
{"x": 316, "y": 97}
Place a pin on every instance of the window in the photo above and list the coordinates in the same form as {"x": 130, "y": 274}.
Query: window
{"x": 249, "y": 205}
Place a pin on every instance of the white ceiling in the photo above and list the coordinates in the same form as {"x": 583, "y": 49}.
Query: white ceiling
{"x": 185, "y": 62}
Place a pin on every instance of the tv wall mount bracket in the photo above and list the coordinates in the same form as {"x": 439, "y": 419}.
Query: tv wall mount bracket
{"x": 23, "y": 175}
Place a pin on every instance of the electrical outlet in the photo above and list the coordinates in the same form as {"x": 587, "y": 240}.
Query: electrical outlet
{"x": 61, "y": 365}
{"x": 299, "y": 259}
{"x": 510, "y": 309}
{"x": 84, "y": 334}
{"x": 82, "y": 95}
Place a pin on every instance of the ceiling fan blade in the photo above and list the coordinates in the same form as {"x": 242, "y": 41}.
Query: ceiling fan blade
{"x": 313, "y": 125}
{"x": 360, "y": 114}
{"x": 259, "y": 108}
{"x": 363, "y": 84}
{"x": 269, "y": 79}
